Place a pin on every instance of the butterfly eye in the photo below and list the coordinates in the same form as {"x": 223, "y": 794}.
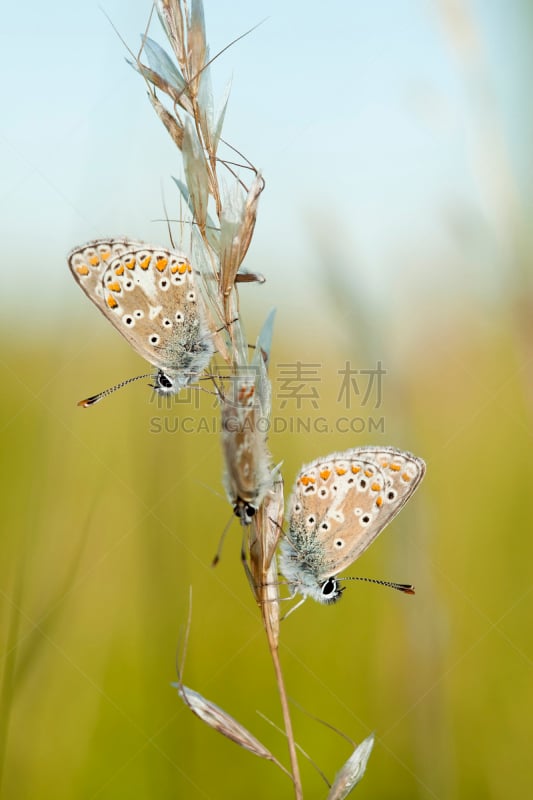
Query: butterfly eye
{"x": 244, "y": 511}
{"x": 330, "y": 591}
{"x": 164, "y": 381}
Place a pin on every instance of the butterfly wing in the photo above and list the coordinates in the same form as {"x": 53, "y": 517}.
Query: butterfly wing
{"x": 149, "y": 294}
{"x": 247, "y": 475}
{"x": 88, "y": 264}
{"x": 341, "y": 503}
{"x": 245, "y": 422}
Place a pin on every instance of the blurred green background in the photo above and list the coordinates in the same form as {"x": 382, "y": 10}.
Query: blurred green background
{"x": 111, "y": 514}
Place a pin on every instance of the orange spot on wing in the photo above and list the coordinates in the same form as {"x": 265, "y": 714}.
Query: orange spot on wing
{"x": 355, "y": 469}
{"x": 379, "y": 502}
{"x": 384, "y": 463}
{"x": 119, "y": 270}
{"x": 325, "y": 474}
{"x": 406, "y": 477}
{"x": 111, "y": 302}
{"x": 105, "y": 256}
{"x": 307, "y": 479}
{"x": 182, "y": 268}
{"x": 130, "y": 262}
{"x": 94, "y": 261}
{"x": 114, "y": 287}
{"x": 161, "y": 264}
{"x": 375, "y": 487}
{"x": 83, "y": 270}
{"x": 369, "y": 473}
{"x": 395, "y": 467}
{"x": 340, "y": 471}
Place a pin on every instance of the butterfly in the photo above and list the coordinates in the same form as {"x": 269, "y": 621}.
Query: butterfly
{"x": 247, "y": 475}
{"x": 338, "y": 506}
{"x": 245, "y": 424}
{"x": 150, "y": 295}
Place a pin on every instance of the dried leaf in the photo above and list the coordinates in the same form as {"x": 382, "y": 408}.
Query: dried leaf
{"x": 217, "y": 126}
{"x": 196, "y": 175}
{"x": 237, "y": 226}
{"x": 230, "y": 225}
{"x": 222, "y": 722}
{"x": 180, "y": 98}
{"x": 264, "y": 340}
{"x": 196, "y": 38}
{"x": 205, "y": 107}
{"x": 250, "y": 214}
{"x": 243, "y": 276}
{"x": 159, "y": 61}
{"x": 264, "y": 537}
{"x": 169, "y": 121}
{"x": 171, "y": 17}
{"x": 212, "y": 232}
{"x": 352, "y": 771}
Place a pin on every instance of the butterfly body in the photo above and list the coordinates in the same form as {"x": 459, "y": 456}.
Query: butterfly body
{"x": 150, "y": 295}
{"x": 339, "y": 505}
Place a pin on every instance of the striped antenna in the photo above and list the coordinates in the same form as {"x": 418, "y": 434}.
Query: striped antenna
{"x": 407, "y": 588}
{"x": 90, "y": 401}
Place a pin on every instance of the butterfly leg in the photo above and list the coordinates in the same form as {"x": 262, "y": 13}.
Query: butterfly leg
{"x": 289, "y": 612}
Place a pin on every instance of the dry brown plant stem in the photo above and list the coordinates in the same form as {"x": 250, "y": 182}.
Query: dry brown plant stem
{"x": 287, "y": 722}
{"x": 222, "y": 220}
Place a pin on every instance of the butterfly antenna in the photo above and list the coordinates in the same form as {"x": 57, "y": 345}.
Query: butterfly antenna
{"x": 407, "y": 588}
{"x": 90, "y": 401}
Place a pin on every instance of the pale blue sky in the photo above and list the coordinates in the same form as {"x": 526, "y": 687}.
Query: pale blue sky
{"x": 367, "y": 119}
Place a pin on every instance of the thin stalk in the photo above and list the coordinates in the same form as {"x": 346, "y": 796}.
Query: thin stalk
{"x": 8, "y": 677}
{"x": 274, "y": 652}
